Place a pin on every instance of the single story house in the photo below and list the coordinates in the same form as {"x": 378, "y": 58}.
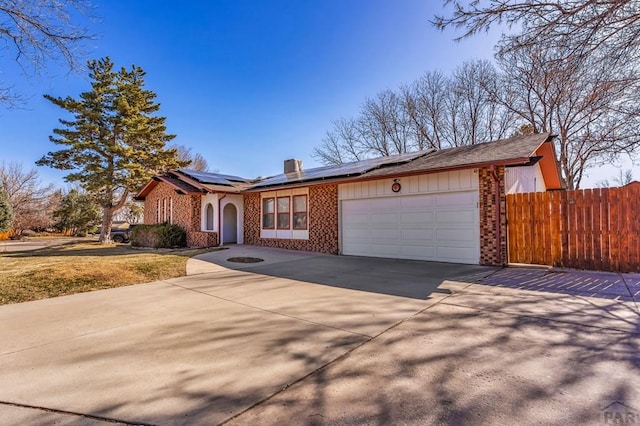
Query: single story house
{"x": 447, "y": 205}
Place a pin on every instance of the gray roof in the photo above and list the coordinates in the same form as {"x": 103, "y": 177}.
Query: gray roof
{"x": 518, "y": 149}
{"x": 514, "y": 150}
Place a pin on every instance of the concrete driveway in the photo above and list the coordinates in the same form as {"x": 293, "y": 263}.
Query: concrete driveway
{"x": 312, "y": 339}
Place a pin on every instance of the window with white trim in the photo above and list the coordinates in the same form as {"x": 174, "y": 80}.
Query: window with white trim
{"x": 300, "y": 218}
{"x": 164, "y": 209}
{"x": 209, "y": 217}
{"x": 268, "y": 213}
{"x": 284, "y": 214}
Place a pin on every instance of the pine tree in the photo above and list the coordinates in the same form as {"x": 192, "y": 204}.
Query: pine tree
{"x": 6, "y": 212}
{"x": 77, "y": 213}
{"x": 115, "y": 142}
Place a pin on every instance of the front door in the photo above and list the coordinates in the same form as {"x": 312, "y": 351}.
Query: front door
{"x": 229, "y": 224}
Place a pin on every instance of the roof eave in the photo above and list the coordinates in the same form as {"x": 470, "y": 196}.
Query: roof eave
{"x": 524, "y": 161}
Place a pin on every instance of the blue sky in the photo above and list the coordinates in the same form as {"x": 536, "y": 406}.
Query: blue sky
{"x": 247, "y": 84}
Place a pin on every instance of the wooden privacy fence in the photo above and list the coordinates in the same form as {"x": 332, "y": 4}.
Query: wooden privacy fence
{"x": 584, "y": 229}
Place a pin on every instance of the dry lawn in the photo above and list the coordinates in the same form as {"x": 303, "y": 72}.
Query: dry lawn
{"x": 76, "y": 268}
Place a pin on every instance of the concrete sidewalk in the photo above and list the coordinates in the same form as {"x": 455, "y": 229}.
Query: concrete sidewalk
{"x": 35, "y": 244}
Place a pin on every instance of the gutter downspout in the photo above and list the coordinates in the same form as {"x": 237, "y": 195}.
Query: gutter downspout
{"x": 220, "y": 220}
{"x": 496, "y": 180}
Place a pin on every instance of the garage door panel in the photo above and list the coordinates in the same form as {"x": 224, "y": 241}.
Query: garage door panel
{"x": 454, "y": 236}
{"x": 439, "y": 227}
{"x": 417, "y": 202}
{"x": 457, "y": 199}
{"x": 379, "y": 250}
{"x": 385, "y": 235}
{"x": 355, "y": 248}
{"x": 355, "y": 208}
{"x": 455, "y": 216}
{"x": 416, "y": 219}
{"x": 454, "y": 254}
{"x": 354, "y": 234}
{"x": 418, "y": 252}
{"x": 411, "y": 236}
{"x": 383, "y": 220}
{"x": 356, "y": 219}
{"x": 382, "y": 204}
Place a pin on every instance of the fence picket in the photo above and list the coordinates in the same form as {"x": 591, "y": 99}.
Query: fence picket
{"x": 587, "y": 240}
{"x": 596, "y": 203}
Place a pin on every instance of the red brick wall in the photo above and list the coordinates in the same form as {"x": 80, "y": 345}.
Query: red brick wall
{"x": 323, "y": 222}
{"x": 202, "y": 239}
{"x": 492, "y": 253}
{"x": 186, "y": 213}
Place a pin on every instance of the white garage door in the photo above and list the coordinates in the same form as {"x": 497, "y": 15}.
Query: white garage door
{"x": 440, "y": 227}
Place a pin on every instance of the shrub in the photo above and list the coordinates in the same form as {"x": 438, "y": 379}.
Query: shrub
{"x": 163, "y": 235}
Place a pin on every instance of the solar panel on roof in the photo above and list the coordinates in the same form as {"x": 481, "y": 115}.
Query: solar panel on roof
{"x": 212, "y": 178}
{"x": 342, "y": 170}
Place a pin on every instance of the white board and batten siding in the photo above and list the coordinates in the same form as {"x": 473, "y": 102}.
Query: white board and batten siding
{"x": 433, "y": 217}
{"x": 524, "y": 179}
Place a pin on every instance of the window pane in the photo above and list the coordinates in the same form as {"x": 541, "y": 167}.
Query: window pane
{"x": 267, "y": 220}
{"x": 300, "y": 203}
{"x": 300, "y": 212}
{"x": 268, "y": 210}
{"x": 300, "y": 220}
{"x": 283, "y": 220}
{"x": 209, "y": 226}
{"x": 283, "y": 205}
{"x": 267, "y": 205}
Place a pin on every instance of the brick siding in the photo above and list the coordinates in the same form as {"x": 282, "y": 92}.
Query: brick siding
{"x": 186, "y": 214}
{"x": 202, "y": 239}
{"x": 492, "y": 253}
{"x": 323, "y": 222}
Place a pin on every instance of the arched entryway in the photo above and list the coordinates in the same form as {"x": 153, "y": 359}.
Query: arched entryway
{"x": 229, "y": 224}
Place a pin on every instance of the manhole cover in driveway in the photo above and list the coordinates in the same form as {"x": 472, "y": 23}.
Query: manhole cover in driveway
{"x": 245, "y": 259}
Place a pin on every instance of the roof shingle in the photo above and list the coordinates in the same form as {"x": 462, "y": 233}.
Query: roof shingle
{"x": 517, "y": 148}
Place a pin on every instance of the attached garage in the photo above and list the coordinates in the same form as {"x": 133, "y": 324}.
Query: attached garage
{"x": 430, "y": 217}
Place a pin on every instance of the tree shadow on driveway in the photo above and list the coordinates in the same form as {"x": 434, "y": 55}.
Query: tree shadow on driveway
{"x": 462, "y": 362}
{"x": 395, "y": 277}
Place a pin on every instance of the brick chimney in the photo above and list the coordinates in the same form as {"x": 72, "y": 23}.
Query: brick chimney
{"x": 292, "y": 166}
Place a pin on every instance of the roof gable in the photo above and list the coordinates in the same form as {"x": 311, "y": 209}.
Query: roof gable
{"x": 186, "y": 181}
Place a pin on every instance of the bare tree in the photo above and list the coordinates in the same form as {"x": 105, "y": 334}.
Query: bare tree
{"x": 590, "y": 101}
{"x": 34, "y": 31}
{"x": 434, "y": 111}
{"x": 578, "y": 26}
{"x": 196, "y": 161}
{"x": 384, "y": 125}
{"x": 341, "y": 145}
{"x": 424, "y": 102}
{"x": 472, "y": 111}
{"x": 623, "y": 178}
{"x": 33, "y": 202}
